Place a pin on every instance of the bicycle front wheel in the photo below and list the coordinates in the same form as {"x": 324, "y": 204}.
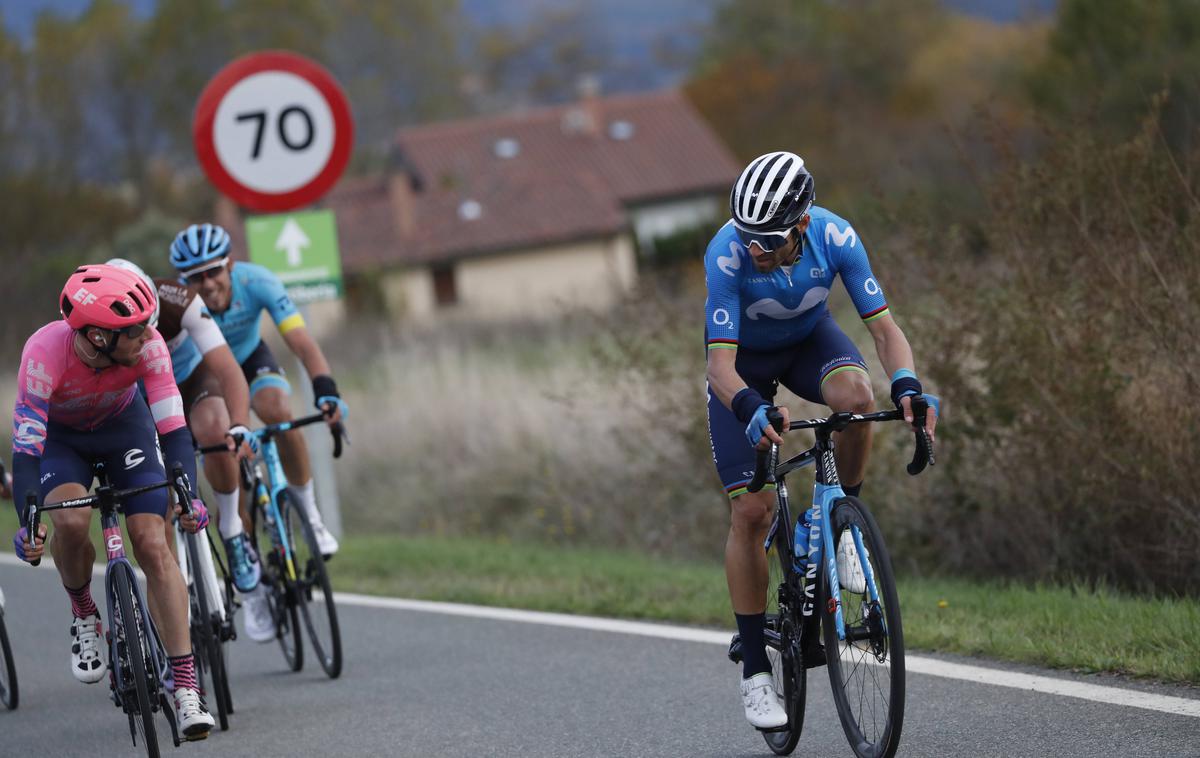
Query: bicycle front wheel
{"x": 314, "y": 595}
{"x": 206, "y": 646}
{"x": 866, "y": 667}
{"x": 268, "y": 542}
{"x": 9, "y": 695}
{"x": 132, "y": 632}
{"x": 783, "y": 651}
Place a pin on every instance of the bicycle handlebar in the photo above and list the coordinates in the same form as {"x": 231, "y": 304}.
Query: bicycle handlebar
{"x": 270, "y": 430}
{"x": 33, "y": 518}
{"x": 767, "y": 460}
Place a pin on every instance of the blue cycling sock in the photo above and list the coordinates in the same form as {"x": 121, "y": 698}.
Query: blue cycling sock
{"x": 853, "y": 491}
{"x": 754, "y": 649}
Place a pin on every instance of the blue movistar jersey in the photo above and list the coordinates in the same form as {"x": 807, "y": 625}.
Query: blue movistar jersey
{"x": 255, "y": 289}
{"x": 779, "y": 309}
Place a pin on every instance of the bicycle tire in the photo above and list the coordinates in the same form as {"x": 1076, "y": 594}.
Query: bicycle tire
{"x": 279, "y": 597}
{"x": 223, "y": 627}
{"x": 204, "y": 639}
{"x": 135, "y": 646}
{"x": 877, "y": 649}
{"x": 311, "y": 575}
{"x": 784, "y": 651}
{"x": 10, "y": 693}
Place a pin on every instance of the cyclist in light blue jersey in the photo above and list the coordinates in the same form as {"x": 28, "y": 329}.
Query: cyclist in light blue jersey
{"x": 769, "y": 272}
{"x": 236, "y": 295}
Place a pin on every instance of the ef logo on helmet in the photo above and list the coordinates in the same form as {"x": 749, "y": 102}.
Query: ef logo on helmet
{"x": 83, "y": 297}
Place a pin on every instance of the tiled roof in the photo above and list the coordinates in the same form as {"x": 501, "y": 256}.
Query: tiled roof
{"x": 570, "y": 178}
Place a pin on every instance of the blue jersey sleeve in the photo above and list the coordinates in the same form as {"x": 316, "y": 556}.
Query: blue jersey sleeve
{"x": 724, "y": 262}
{"x": 268, "y": 292}
{"x": 845, "y": 250}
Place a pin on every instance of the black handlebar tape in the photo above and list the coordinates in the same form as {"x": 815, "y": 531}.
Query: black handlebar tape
{"x": 33, "y": 520}
{"x": 337, "y": 430}
{"x": 923, "y": 455}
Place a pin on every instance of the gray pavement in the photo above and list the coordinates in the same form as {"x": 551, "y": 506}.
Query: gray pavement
{"x": 422, "y": 684}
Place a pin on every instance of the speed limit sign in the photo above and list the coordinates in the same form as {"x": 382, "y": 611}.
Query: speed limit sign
{"x": 273, "y": 131}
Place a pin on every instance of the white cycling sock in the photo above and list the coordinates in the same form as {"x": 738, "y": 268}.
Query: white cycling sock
{"x": 307, "y": 497}
{"x": 231, "y": 520}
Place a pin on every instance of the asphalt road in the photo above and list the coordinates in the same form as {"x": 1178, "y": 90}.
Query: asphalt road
{"x": 427, "y": 684}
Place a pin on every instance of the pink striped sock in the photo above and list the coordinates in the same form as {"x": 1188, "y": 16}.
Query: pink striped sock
{"x": 82, "y": 604}
{"x": 183, "y": 670}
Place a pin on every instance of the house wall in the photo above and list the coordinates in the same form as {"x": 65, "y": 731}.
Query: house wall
{"x": 661, "y": 219}
{"x": 542, "y": 282}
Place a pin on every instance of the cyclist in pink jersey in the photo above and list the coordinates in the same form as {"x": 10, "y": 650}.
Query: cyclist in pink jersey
{"x": 78, "y": 404}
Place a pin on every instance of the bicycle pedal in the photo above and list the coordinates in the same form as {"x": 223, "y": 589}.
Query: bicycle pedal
{"x": 814, "y": 657}
{"x": 774, "y": 729}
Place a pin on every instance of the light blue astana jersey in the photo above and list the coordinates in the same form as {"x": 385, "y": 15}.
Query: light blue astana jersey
{"x": 254, "y": 289}
{"x": 770, "y": 311}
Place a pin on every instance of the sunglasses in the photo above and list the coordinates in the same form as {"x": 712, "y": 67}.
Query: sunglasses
{"x": 768, "y": 241}
{"x": 211, "y": 272}
{"x": 133, "y": 331}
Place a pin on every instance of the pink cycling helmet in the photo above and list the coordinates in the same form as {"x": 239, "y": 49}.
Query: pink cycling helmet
{"x": 107, "y": 297}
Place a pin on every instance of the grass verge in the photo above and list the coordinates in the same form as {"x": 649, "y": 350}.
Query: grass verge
{"x": 1077, "y": 628}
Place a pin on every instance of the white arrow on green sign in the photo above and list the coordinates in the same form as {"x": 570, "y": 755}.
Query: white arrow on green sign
{"x": 301, "y": 248}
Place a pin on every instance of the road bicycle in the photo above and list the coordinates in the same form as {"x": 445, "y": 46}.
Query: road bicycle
{"x": 9, "y": 691}
{"x": 138, "y": 668}
{"x": 833, "y": 583}
{"x": 211, "y": 607}
{"x": 293, "y": 569}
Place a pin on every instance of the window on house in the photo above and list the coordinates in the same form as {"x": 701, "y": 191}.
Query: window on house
{"x": 445, "y": 289}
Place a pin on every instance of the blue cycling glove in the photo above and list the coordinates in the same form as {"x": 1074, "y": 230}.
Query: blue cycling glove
{"x": 758, "y": 425}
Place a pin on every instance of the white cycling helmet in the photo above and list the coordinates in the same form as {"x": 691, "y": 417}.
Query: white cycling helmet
{"x": 131, "y": 266}
{"x": 772, "y": 194}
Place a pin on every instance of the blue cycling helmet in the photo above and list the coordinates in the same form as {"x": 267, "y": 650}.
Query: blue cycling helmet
{"x": 199, "y": 244}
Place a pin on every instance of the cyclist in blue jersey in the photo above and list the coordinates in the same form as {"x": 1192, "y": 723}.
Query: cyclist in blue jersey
{"x": 236, "y": 295}
{"x": 769, "y": 271}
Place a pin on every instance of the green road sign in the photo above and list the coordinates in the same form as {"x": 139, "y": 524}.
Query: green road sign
{"x": 301, "y": 248}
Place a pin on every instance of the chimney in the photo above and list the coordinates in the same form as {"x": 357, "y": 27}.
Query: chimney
{"x": 402, "y": 187}
{"x": 585, "y": 116}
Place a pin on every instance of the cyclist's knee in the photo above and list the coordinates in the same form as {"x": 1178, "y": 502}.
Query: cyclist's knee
{"x": 753, "y": 511}
{"x": 209, "y": 420}
{"x": 849, "y": 391}
{"x": 149, "y": 540}
{"x": 272, "y": 406}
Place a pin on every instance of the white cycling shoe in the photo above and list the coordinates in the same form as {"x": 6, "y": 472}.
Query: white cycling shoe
{"x": 326, "y": 542}
{"x": 194, "y": 720}
{"x": 260, "y": 627}
{"x": 87, "y": 651}
{"x": 764, "y": 706}
{"x": 849, "y": 568}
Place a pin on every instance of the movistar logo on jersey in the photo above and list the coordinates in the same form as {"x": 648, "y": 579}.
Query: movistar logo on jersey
{"x": 772, "y": 308}
{"x": 838, "y": 236}
{"x": 729, "y": 264}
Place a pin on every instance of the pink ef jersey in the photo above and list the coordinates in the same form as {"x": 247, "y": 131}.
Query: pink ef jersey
{"x": 53, "y": 384}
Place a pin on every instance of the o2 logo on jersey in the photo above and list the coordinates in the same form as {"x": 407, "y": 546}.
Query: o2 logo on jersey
{"x": 839, "y": 237}
{"x": 871, "y": 286}
{"x": 721, "y": 317}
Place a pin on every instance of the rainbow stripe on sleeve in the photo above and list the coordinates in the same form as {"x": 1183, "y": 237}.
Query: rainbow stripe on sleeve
{"x": 877, "y": 313}
{"x": 722, "y": 344}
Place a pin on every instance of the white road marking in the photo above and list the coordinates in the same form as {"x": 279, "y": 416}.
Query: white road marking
{"x": 1119, "y": 696}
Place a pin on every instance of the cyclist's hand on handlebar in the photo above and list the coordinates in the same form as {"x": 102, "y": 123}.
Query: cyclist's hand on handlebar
{"x": 931, "y": 415}
{"x": 334, "y": 408}
{"x": 194, "y": 520}
{"x": 241, "y": 442}
{"x": 759, "y": 431}
{"x": 26, "y": 551}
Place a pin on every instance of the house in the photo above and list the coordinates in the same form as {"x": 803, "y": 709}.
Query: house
{"x": 528, "y": 213}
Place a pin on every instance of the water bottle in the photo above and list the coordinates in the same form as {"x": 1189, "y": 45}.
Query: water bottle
{"x": 803, "y": 525}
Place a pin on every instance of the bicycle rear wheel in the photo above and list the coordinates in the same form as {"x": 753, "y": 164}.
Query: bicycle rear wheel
{"x": 131, "y": 632}
{"x": 866, "y": 669}
{"x": 314, "y": 595}
{"x": 9, "y": 694}
{"x": 280, "y": 598}
{"x": 783, "y": 651}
